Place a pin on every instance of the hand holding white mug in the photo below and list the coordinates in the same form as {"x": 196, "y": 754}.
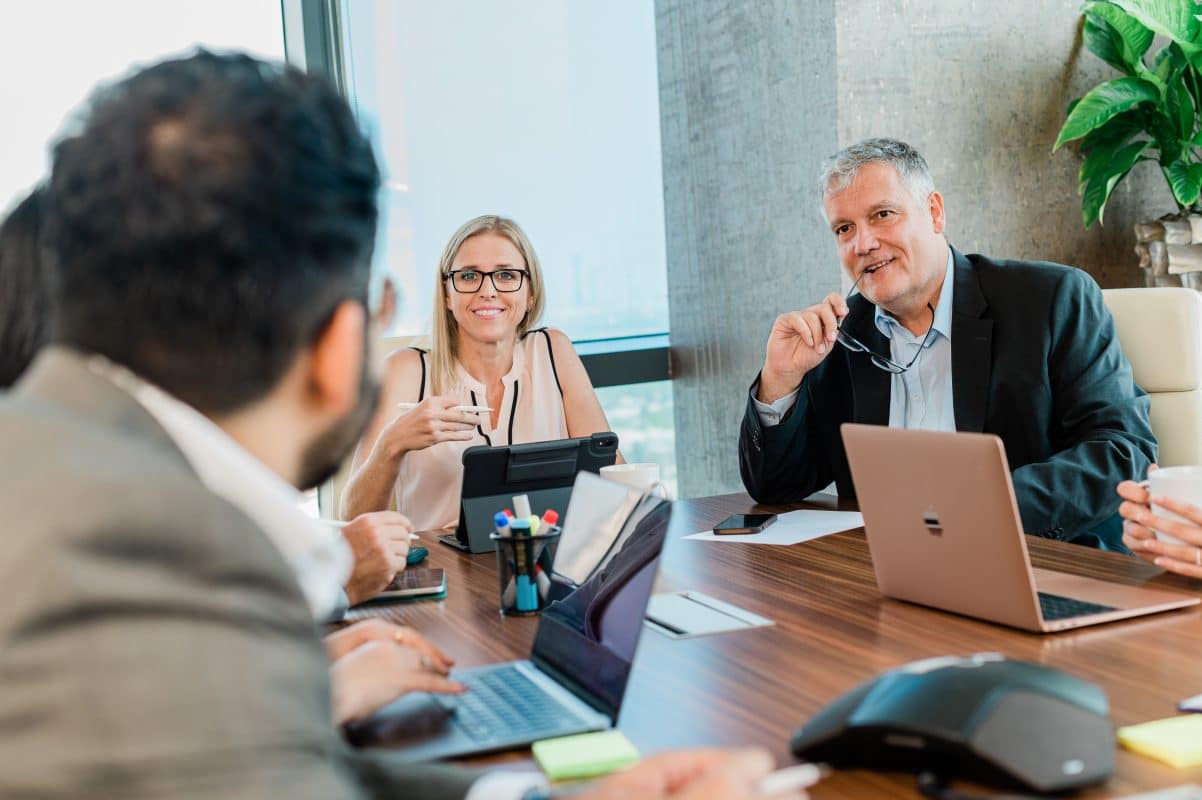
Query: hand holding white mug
{"x": 799, "y": 341}
{"x": 1165, "y": 531}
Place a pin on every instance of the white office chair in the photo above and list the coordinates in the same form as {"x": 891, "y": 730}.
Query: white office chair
{"x": 329, "y": 495}
{"x": 1160, "y": 331}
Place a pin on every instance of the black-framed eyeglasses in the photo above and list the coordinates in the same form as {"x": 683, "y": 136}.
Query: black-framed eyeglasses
{"x": 469, "y": 281}
{"x": 879, "y": 361}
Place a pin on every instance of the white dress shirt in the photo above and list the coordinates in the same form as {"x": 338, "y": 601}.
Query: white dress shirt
{"x": 317, "y": 553}
{"x": 921, "y": 397}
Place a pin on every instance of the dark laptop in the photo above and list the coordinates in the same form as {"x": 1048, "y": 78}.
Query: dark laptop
{"x": 543, "y": 471}
{"x": 576, "y": 675}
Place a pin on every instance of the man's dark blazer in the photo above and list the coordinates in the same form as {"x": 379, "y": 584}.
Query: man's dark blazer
{"x": 153, "y": 641}
{"x": 1035, "y": 360}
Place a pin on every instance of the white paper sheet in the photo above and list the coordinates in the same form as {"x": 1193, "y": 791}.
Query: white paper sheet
{"x": 792, "y": 528}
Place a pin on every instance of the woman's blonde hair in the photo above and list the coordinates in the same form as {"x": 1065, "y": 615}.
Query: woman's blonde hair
{"x": 444, "y": 351}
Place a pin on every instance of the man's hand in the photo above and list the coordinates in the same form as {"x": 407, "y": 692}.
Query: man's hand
{"x": 1140, "y": 526}
{"x": 380, "y": 542}
{"x": 692, "y": 775}
{"x": 375, "y": 629}
{"x": 798, "y": 342}
{"x": 378, "y": 672}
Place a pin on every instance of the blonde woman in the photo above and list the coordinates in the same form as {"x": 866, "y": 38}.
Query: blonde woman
{"x": 487, "y": 351}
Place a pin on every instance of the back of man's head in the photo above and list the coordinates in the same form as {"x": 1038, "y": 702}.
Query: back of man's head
{"x": 23, "y": 312}
{"x": 207, "y": 219}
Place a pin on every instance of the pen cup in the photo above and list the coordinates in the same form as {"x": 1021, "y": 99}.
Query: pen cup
{"x": 524, "y": 570}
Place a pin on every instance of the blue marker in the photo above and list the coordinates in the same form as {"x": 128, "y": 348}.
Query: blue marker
{"x": 501, "y": 520}
{"x": 527, "y": 591}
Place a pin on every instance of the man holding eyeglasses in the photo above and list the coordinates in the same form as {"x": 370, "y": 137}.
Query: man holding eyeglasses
{"x": 931, "y": 338}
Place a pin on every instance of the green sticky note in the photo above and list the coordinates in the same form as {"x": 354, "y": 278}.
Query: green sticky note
{"x": 586, "y": 755}
{"x": 1177, "y": 741}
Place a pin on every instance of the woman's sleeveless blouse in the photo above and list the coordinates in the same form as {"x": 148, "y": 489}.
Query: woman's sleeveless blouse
{"x": 429, "y": 481}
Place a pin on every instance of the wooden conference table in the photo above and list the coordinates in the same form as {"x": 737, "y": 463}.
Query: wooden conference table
{"x": 833, "y": 630}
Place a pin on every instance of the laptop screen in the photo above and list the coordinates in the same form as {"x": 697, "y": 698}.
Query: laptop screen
{"x": 586, "y": 639}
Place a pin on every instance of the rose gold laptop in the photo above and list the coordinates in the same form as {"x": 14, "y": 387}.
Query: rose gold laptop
{"x": 944, "y": 531}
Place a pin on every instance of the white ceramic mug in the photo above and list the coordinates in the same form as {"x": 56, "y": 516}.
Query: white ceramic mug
{"x": 1179, "y": 483}
{"x": 638, "y": 476}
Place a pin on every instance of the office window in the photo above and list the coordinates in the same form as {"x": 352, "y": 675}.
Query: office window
{"x": 54, "y": 52}
{"x": 546, "y": 111}
{"x": 641, "y": 415}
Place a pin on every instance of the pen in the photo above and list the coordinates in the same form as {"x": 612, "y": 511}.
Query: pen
{"x": 340, "y": 524}
{"x": 790, "y": 779}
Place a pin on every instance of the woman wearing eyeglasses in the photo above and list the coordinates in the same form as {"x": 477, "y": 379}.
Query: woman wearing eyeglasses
{"x": 487, "y": 352}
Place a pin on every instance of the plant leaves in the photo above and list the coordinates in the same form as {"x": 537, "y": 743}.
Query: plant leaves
{"x": 1181, "y": 107}
{"x": 1164, "y": 131}
{"x": 1105, "y": 43}
{"x": 1126, "y": 34}
{"x": 1116, "y": 131}
{"x": 1172, "y": 18}
{"x": 1185, "y": 180}
{"x": 1102, "y": 103}
{"x": 1097, "y": 193}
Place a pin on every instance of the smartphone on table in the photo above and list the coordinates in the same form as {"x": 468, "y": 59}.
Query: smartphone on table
{"x": 744, "y": 524}
{"x": 416, "y": 583}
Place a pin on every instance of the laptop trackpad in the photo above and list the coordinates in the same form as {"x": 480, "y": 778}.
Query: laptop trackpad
{"x": 411, "y": 719}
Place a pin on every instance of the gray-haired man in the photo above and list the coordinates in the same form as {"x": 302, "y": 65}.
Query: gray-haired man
{"x": 938, "y": 340}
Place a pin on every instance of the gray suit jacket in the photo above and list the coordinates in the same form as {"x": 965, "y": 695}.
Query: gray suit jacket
{"x": 153, "y": 642}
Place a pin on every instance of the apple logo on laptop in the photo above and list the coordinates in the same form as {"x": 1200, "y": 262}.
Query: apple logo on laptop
{"x": 931, "y": 519}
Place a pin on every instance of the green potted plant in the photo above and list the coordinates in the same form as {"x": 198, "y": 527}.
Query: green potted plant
{"x": 1150, "y": 113}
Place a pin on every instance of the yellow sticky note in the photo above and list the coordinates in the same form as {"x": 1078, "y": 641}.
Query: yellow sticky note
{"x": 1177, "y": 741}
{"x": 586, "y": 755}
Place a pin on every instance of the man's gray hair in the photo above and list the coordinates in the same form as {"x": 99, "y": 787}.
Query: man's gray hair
{"x": 840, "y": 170}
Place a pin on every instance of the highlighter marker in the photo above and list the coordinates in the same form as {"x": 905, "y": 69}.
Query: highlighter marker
{"x": 520, "y": 529}
{"x": 521, "y": 504}
{"x": 550, "y": 516}
{"x": 544, "y": 583}
{"x": 502, "y": 524}
{"x": 534, "y": 525}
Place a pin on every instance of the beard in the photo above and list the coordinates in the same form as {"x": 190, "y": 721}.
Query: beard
{"x": 325, "y": 454}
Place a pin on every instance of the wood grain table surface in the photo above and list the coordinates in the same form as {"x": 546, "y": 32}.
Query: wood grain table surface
{"x": 833, "y": 631}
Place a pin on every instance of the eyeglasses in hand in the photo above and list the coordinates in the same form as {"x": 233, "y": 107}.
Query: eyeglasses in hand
{"x": 879, "y": 361}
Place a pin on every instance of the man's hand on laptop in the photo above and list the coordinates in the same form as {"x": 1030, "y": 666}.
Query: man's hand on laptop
{"x": 374, "y": 662}
{"x": 379, "y": 541}
{"x": 1140, "y": 526}
{"x": 692, "y": 775}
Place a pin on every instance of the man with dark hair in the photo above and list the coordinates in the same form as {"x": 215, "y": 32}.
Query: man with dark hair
{"x": 22, "y": 296}
{"x": 211, "y": 223}
{"x": 939, "y": 340}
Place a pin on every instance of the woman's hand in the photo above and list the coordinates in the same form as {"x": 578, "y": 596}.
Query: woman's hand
{"x": 375, "y": 662}
{"x": 429, "y": 422}
{"x": 1140, "y": 526}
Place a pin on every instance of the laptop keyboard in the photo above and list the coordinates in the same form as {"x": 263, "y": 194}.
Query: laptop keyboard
{"x": 1055, "y": 607}
{"x": 503, "y": 702}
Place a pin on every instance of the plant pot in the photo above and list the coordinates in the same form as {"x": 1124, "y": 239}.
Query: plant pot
{"x": 1170, "y": 250}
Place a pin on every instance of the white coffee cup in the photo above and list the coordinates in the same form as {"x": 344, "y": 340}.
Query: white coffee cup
{"x": 638, "y": 476}
{"x": 1179, "y": 483}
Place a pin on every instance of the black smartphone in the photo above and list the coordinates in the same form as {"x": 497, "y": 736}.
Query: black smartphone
{"x": 744, "y": 523}
{"x": 416, "y": 582}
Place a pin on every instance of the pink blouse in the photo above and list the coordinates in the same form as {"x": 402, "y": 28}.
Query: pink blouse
{"x": 430, "y": 480}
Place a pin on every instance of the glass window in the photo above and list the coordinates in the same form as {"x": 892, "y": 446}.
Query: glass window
{"x": 641, "y": 415}
{"x": 54, "y": 52}
{"x": 546, "y": 111}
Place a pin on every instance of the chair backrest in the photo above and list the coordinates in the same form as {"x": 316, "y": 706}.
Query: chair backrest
{"x": 1160, "y": 331}
{"x": 329, "y": 495}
